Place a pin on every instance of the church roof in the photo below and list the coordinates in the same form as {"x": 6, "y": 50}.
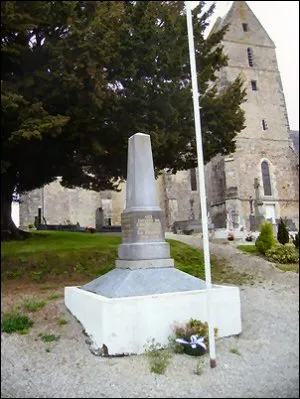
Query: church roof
{"x": 241, "y": 16}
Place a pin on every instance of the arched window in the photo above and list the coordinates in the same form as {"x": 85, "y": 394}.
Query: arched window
{"x": 266, "y": 178}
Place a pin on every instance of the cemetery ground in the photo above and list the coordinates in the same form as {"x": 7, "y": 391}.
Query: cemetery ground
{"x": 50, "y": 358}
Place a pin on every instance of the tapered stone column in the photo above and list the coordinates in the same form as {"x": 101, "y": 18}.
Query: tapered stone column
{"x": 142, "y": 221}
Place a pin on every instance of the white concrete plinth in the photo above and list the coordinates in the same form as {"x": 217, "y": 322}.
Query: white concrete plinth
{"x": 125, "y": 324}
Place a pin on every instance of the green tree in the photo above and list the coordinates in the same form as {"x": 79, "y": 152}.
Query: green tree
{"x": 266, "y": 239}
{"x": 282, "y": 233}
{"x": 80, "y": 77}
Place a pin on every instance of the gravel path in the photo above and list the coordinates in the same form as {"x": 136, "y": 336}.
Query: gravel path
{"x": 268, "y": 364}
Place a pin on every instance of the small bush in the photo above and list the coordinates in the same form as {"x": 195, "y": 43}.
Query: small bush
{"x": 282, "y": 233}
{"x": 15, "y": 322}
{"x": 158, "y": 357}
{"x": 283, "y": 254}
{"x": 266, "y": 238}
{"x": 49, "y": 337}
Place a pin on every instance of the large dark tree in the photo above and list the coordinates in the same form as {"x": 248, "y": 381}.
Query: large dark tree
{"x": 80, "y": 77}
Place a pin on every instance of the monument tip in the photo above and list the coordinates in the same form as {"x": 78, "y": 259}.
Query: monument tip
{"x": 139, "y": 134}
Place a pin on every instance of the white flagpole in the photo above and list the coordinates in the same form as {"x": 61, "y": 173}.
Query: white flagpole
{"x": 202, "y": 193}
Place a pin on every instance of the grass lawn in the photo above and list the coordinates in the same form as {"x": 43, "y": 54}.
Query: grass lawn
{"x": 63, "y": 256}
{"x": 250, "y": 249}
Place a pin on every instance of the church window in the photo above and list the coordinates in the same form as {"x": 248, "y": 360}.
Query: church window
{"x": 253, "y": 85}
{"x": 245, "y": 27}
{"x": 250, "y": 56}
{"x": 266, "y": 178}
{"x": 264, "y": 124}
{"x": 193, "y": 179}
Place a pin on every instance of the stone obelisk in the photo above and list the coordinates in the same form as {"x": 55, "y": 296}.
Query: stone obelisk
{"x": 144, "y": 244}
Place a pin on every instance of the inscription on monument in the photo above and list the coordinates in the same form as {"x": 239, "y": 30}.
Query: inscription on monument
{"x": 137, "y": 228}
{"x": 127, "y": 227}
{"x": 148, "y": 228}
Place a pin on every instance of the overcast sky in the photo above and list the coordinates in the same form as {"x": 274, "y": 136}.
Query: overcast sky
{"x": 281, "y": 21}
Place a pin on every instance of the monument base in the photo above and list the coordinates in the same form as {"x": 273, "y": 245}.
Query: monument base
{"x": 133, "y": 281}
{"x": 124, "y": 325}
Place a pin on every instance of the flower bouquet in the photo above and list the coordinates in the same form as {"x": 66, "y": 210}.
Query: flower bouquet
{"x": 194, "y": 347}
{"x": 230, "y": 236}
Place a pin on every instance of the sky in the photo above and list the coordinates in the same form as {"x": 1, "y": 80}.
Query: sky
{"x": 281, "y": 21}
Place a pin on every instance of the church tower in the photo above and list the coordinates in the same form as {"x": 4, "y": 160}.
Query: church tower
{"x": 260, "y": 180}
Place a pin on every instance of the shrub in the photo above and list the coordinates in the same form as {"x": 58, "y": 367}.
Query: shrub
{"x": 15, "y": 322}
{"x": 283, "y": 254}
{"x": 158, "y": 357}
{"x": 295, "y": 240}
{"x": 31, "y": 226}
{"x": 266, "y": 238}
{"x": 282, "y": 234}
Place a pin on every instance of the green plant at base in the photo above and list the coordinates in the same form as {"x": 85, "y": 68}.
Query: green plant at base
{"x": 159, "y": 358}
{"x": 54, "y": 296}
{"x": 283, "y": 254}
{"x": 199, "y": 367}
{"x": 15, "y": 322}
{"x": 235, "y": 351}
{"x": 266, "y": 238}
{"x": 175, "y": 346}
{"x": 49, "y": 337}
{"x": 32, "y": 306}
{"x": 62, "y": 322}
{"x": 282, "y": 233}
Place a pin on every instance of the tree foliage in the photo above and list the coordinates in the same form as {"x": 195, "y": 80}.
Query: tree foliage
{"x": 282, "y": 233}
{"x": 265, "y": 240}
{"x": 80, "y": 77}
